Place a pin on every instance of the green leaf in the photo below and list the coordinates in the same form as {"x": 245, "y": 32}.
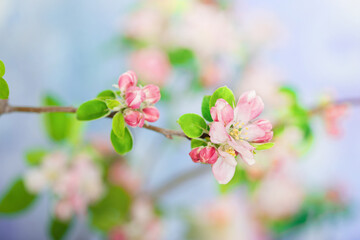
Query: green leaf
{"x": 224, "y": 93}
{"x": 118, "y": 125}
{"x": 91, "y": 110}
{"x": 112, "y": 210}
{"x": 181, "y": 56}
{"x": 123, "y": 144}
{"x": 58, "y": 228}
{"x": 205, "y": 108}
{"x": 35, "y": 157}
{"x": 107, "y": 94}
{"x": 57, "y": 125}
{"x": 16, "y": 199}
{"x": 112, "y": 104}
{"x": 264, "y": 146}
{"x": 198, "y": 143}
{"x": 192, "y": 124}
{"x": 4, "y": 89}
{"x": 2, "y": 69}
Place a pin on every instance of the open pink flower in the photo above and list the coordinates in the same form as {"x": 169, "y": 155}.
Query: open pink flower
{"x": 134, "y": 97}
{"x": 127, "y": 80}
{"x": 234, "y": 129}
{"x": 134, "y": 118}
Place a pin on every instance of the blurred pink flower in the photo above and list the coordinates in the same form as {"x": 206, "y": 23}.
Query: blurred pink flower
{"x": 332, "y": 116}
{"x": 121, "y": 174}
{"x": 152, "y": 66}
{"x": 278, "y": 197}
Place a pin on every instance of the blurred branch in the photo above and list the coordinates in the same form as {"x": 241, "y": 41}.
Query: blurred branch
{"x": 178, "y": 181}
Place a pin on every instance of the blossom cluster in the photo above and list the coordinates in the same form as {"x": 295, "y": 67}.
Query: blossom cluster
{"x": 76, "y": 182}
{"x": 232, "y": 134}
{"x": 137, "y": 102}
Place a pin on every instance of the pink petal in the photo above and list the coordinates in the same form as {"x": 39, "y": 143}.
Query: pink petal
{"x": 245, "y": 150}
{"x": 127, "y": 80}
{"x": 151, "y": 114}
{"x": 152, "y": 93}
{"x": 218, "y": 133}
{"x": 223, "y": 172}
{"x": 222, "y": 112}
{"x": 248, "y": 107}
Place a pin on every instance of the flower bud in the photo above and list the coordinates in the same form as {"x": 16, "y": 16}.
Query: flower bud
{"x": 134, "y": 118}
{"x": 195, "y": 154}
{"x": 222, "y": 112}
{"x": 152, "y": 93}
{"x": 151, "y": 114}
{"x": 134, "y": 97}
{"x": 127, "y": 80}
{"x": 266, "y": 126}
{"x": 208, "y": 155}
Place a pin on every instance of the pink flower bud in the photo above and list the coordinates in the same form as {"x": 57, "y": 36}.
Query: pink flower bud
{"x": 195, "y": 154}
{"x": 266, "y": 126}
{"x": 134, "y": 97}
{"x": 208, "y": 155}
{"x": 127, "y": 80}
{"x": 222, "y": 112}
{"x": 152, "y": 93}
{"x": 151, "y": 114}
{"x": 134, "y": 118}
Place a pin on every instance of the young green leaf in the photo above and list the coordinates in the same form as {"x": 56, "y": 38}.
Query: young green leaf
{"x": 123, "y": 144}
{"x": 264, "y": 146}
{"x": 205, "y": 108}
{"x": 58, "y": 228}
{"x": 35, "y": 157}
{"x": 192, "y": 124}
{"x": 107, "y": 94}
{"x": 57, "y": 125}
{"x": 2, "y": 69}
{"x": 112, "y": 104}
{"x": 198, "y": 143}
{"x": 224, "y": 93}
{"x": 4, "y": 89}
{"x": 92, "y": 110}
{"x": 112, "y": 210}
{"x": 16, "y": 199}
{"x": 118, "y": 125}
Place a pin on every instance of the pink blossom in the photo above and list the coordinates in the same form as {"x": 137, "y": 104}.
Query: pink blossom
{"x": 222, "y": 112}
{"x": 234, "y": 130}
{"x": 134, "y": 97}
{"x": 151, "y": 114}
{"x": 266, "y": 126}
{"x": 195, "y": 154}
{"x": 63, "y": 210}
{"x": 208, "y": 155}
{"x": 332, "y": 115}
{"x": 152, "y": 65}
{"x": 127, "y": 80}
{"x": 134, "y": 118}
{"x": 152, "y": 93}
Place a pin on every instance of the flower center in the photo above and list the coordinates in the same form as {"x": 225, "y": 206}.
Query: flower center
{"x": 238, "y": 132}
{"x": 230, "y": 151}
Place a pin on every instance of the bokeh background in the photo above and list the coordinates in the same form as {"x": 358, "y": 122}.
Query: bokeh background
{"x": 74, "y": 49}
